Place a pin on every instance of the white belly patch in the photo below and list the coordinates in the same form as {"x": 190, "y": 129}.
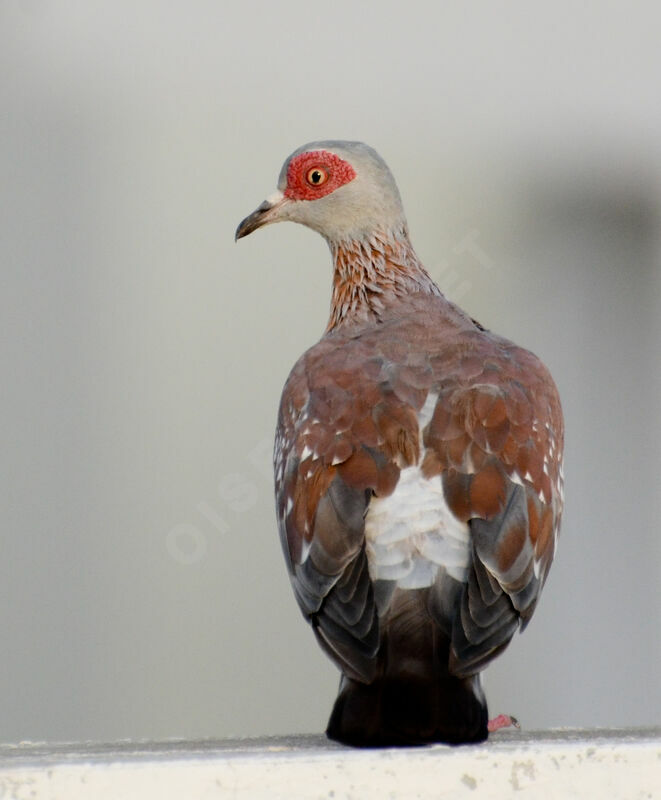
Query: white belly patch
{"x": 412, "y": 533}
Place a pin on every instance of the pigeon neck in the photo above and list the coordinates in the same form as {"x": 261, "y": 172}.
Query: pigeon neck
{"x": 372, "y": 272}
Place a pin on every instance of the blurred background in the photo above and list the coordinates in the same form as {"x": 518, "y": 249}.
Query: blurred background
{"x": 143, "y": 591}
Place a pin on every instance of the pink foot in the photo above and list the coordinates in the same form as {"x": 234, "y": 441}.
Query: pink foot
{"x": 502, "y": 721}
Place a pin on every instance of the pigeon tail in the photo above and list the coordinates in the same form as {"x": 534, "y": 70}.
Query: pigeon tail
{"x": 414, "y": 700}
{"x": 397, "y": 711}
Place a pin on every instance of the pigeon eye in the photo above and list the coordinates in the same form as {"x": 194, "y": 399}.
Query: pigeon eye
{"x": 316, "y": 176}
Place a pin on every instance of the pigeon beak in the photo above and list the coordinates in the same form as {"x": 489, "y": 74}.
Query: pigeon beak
{"x": 266, "y": 213}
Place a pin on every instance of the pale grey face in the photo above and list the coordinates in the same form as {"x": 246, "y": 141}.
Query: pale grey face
{"x": 351, "y": 208}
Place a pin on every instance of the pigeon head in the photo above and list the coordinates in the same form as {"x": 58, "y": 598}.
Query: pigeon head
{"x": 342, "y": 190}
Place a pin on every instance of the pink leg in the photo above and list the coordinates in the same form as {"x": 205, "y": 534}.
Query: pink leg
{"x": 502, "y": 721}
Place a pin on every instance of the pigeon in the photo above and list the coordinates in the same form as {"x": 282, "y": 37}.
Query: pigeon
{"x": 418, "y": 469}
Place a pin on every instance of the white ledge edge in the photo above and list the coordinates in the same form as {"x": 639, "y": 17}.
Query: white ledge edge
{"x": 613, "y": 763}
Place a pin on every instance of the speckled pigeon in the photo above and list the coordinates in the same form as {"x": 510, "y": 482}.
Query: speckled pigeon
{"x": 418, "y": 468}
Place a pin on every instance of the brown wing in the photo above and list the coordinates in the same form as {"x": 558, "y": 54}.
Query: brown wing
{"x": 496, "y": 440}
{"x": 345, "y": 427}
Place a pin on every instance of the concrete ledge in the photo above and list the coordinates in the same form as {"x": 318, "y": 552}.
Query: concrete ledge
{"x": 559, "y": 764}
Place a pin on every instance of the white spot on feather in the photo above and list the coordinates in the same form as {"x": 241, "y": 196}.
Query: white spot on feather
{"x": 305, "y": 548}
{"x": 516, "y": 478}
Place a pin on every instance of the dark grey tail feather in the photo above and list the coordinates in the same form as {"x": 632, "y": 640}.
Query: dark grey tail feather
{"x": 400, "y": 712}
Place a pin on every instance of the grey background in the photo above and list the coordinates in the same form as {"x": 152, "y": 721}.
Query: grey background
{"x": 142, "y": 587}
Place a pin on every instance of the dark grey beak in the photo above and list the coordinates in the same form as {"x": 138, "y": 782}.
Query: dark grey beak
{"x": 267, "y": 212}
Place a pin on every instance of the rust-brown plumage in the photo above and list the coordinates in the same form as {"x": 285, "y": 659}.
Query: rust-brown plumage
{"x": 418, "y": 476}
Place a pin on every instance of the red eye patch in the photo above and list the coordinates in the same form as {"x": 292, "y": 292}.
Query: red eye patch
{"x": 315, "y": 174}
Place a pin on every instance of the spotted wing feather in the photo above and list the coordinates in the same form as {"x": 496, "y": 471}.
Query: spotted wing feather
{"x": 328, "y": 463}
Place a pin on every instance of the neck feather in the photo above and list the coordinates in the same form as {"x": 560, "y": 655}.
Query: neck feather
{"x": 371, "y": 273}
